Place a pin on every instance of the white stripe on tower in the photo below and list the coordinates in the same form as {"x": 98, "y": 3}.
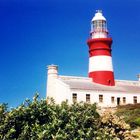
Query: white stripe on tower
{"x": 100, "y": 63}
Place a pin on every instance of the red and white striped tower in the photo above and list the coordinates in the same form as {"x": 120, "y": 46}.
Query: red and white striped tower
{"x": 100, "y": 59}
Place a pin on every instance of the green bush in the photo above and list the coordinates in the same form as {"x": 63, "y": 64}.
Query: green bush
{"x": 130, "y": 113}
{"x": 41, "y": 120}
{"x": 137, "y": 121}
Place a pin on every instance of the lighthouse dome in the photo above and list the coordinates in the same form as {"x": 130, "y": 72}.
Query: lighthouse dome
{"x": 98, "y": 16}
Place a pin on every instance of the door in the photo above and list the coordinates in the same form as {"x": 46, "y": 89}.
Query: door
{"x": 118, "y": 101}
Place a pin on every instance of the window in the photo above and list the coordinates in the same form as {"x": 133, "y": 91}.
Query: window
{"x": 98, "y": 24}
{"x": 124, "y": 100}
{"x": 112, "y": 99}
{"x": 74, "y": 97}
{"x": 88, "y": 98}
{"x": 100, "y": 98}
{"x": 135, "y": 99}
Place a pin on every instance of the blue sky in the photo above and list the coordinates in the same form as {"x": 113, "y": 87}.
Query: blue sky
{"x": 36, "y": 33}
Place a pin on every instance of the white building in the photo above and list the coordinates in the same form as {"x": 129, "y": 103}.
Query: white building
{"x": 72, "y": 89}
{"x": 100, "y": 87}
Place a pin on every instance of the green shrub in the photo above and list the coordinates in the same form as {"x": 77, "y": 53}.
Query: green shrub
{"x": 41, "y": 120}
{"x": 130, "y": 113}
{"x": 137, "y": 121}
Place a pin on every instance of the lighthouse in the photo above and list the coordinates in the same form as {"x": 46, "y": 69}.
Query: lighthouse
{"x": 100, "y": 58}
{"x": 100, "y": 87}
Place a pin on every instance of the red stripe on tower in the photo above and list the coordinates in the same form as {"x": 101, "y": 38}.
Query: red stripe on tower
{"x": 100, "y": 59}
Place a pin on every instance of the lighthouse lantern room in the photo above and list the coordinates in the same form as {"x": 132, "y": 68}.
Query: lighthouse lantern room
{"x": 99, "y": 26}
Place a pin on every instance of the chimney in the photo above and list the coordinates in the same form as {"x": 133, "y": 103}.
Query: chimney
{"x": 53, "y": 71}
{"x": 51, "y": 78}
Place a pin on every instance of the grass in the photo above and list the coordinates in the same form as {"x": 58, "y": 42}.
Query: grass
{"x": 130, "y": 113}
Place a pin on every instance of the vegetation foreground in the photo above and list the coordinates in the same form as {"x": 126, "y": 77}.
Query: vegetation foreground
{"x": 41, "y": 120}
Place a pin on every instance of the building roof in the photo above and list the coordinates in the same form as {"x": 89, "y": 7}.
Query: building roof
{"x": 84, "y": 83}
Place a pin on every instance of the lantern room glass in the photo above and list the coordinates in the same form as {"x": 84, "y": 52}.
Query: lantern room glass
{"x": 98, "y": 25}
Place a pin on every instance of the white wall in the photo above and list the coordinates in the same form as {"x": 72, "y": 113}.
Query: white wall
{"x": 94, "y": 97}
{"x": 62, "y": 92}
